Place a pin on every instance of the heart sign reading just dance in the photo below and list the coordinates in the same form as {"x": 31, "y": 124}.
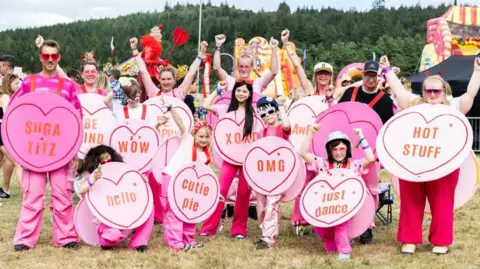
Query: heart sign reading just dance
{"x": 425, "y": 142}
{"x": 194, "y": 192}
{"x": 42, "y": 131}
{"x": 332, "y": 198}
{"x": 228, "y": 139}
{"x": 157, "y": 109}
{"x": 98, "y": 122}
{"x": 271, "y": 165}
{"x": 345, "y": 117}
{"x": 122, "y": 198}
{"x": 137, "y": 142}
{"x": 302, "y": 115}
{"x": 212, "y": 118}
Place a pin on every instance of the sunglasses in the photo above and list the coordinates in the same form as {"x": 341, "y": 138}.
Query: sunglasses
{"x": 136, "y": 100}
{"x": 433, "y": 91}
{"x": 371, "y": 77}
{"x": 54, "y": 56}
{"x": 267, "y": 112}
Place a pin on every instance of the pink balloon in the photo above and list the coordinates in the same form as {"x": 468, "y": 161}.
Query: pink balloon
{"x": 345, "y": 117}
{"x": 298, "y": 184}
{"x": 86, "y": 229}
{"x": 42, "y": 131}
{"x": 226, "y": 99}
{"x": 163, "y": 156}
{"x": 363, "y": 219}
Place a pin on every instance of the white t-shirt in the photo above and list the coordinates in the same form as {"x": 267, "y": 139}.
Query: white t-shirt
{"x": 454, "y": 101}
{"x": 133, "y": 113}
{"x": 183, "y": 156}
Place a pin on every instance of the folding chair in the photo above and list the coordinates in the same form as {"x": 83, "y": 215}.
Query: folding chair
{"x": 385, "y": 199}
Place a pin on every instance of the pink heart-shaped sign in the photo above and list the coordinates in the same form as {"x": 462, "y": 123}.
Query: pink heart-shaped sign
{"x": 137, "y": 142}
{"x": 164, "y": 154}
{"x": 270, "y": 166}
{"x": 329, "y": 200}
{"x": 98, "y": 122}
{"x": 345, "y": 117}
{"x": 302, "y": 115}
{"x": 297, "y": 186}
{"x": 169, "y": 129}
{"x": 228, "y": 137}
{"x": 121, "y": 199}
{"x": 417, "y": 145}
{"x": 212, "y": 119}
{"x": 193, "y": 193}
{"x": 42, "y": 131}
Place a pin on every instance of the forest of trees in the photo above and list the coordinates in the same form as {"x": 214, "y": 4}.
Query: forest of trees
{"x": 336, "y": 36}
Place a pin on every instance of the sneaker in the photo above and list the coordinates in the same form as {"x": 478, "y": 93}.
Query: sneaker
{"x": 204, "y": 234}
{"x": 4, "y": 194}
{"x": 299, "y": 229}
{"x": 72, "y": 245}
{"x": 367, "y": 237}
{"x": 440, "y": 250}
{"x": 141, "y": 248}
{"x": 344, "y": 256}
{"x": 20, "y": 248}
{"x": 408, "y": 248}
{"x": 187, "y": 248}
{"x": 198, "y": 246}
{"x": 240, "y": 236}
{"x": 262, "y": 245}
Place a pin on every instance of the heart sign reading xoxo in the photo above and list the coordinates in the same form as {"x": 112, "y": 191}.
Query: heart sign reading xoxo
{"x": 157, "y": 110}
{"x": 271, "y": 165}
{"x": 345, "y": 117}
{"x": 302, "y": 115}
{"x": 228, "y": 137}
{"x": 212, "y": 119}
{"x": 425, "y": 142}
{"x": 121, "y": 198}
{"x": 194, "y": 192}
{"x": 42, "y": 131}
{"x": 332, "y": 199}
{"x": 98, "y": 122}
{"x": 137, "y": 142}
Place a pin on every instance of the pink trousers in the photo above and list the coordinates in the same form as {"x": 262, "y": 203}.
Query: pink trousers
{"x": 31, "y": 213}
{"x": 336, "y": 238}
{"x": 441, "y": 196}
{"x": 110, "y": 237}
{"x": 240, "y": 215}
{"x": 156, "y": 191}
{"x": 176, "y": 233}
{"x": 268, "y": 212}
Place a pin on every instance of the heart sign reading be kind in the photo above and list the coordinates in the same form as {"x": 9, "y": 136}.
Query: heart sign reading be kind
{"x": 332, "y": 199}
{"x": 271, "y": 165}
{"x": 121, "y": 198}
{"x": 424, "y": 142}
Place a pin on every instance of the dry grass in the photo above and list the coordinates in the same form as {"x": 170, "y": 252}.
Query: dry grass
{"x": 225, "y": 252}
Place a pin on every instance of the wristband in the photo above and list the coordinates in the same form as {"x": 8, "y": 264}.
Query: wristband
{"x": 219, "y": 92}
{"x": 386, "y": 70}
{"x": 169, "y": 107}
{"x": 366, "y": 147}
{"x": 360, "y": 142}
{"x": 218, "y": 48}
{"x": 88, "y": 181}
{"x": 200, "y": 58}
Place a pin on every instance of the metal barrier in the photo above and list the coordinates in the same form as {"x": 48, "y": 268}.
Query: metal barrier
{"x": 475, "y": 123}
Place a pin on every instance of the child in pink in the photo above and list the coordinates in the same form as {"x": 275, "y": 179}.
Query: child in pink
{"x": 339, "y": 151}
{"x": 91, "y": 172}
{"x": 268, "y": 206}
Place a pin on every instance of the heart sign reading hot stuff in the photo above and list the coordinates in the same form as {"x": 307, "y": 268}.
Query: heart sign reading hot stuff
{"x": 121, "y": 198}
{"x": 345, "y": 117}
{"x": 302, "y": 115}
{"x": 332, "y": 199}
{"x": 98, "y": 122}
{"x": 157, "y": 108}
{"x": 164, "y": 154}
{"x": 271, "y": 165}
{"x": 193, "y": 193}
{"x": 137, "y": 142}
{"x": 42, "y": 131}
{"x": 212, "y": 118}
{"x": 425, "y": 142}
{"x": 228, "y": 137}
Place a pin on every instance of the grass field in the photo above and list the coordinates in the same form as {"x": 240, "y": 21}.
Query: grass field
{"x": 225, "y": 252}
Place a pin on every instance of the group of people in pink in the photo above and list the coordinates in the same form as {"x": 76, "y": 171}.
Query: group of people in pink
{"x": 197, "y": 146}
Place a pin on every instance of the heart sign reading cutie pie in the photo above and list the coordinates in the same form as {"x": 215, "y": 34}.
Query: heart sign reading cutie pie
{"x": 424, "y": 142}
{"x": 271, "y": 165}
{"x": 193, "y": 193}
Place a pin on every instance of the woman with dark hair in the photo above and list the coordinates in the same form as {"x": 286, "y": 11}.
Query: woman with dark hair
{"x": 241, "y": 104}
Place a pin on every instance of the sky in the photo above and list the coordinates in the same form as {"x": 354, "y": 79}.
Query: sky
{"x": 32, "y": 13}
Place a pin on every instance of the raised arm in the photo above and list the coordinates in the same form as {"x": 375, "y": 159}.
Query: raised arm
{"x": 192, "y": 71}
{"x": 147, "y": 80}
{"x": 283, "y": 114}
{"x": 292, "y": 54}
{"x": 208, "y": 102}
{"x": 268, "y": 77}
{"x": 217, "y": 66}
{"x": 401, "y": 94}
{"x": 466, "y": 100}
{"x": 305, "y": 148}
{"x": 367, "y": 150}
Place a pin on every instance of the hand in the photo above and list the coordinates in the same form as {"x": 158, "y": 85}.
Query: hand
{"x": 476, "y": 65}
{"x": 314, "y": 128}
{"x": 281, "y": 100}
{"x": 219, "y": 40}
{"x": 273, "y": 43}
{"x": 133, "y": 43}
{"x": 358, "y": 132}
{"x": 285, "y": 36}
{"x": 222, "y": 85}
{"x": 396, "y": 70}
{"x": 384, "y": 62}
{"x": 162, "y": 120}
{"x": 97, "y": 174}
{"x": 39, "y": 41}
{"x": 203, "y": 49}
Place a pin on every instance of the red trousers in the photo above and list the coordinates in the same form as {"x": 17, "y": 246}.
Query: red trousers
{"x": 441, "y": 196}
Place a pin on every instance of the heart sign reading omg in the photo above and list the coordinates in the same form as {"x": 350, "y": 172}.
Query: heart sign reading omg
{"x": 137, "y": 142}
{"x": 42, "y": 131}
{"x": 425, "y": 142}
{"x": 332, "y": 199}
{"x": 121, "y": 198}
{"x": 271, "y": 165}
{"x": 193, "y": 193}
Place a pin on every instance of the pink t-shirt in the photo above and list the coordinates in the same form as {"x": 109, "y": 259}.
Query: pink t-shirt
{"x": 43, "y": 84}
{"x": 257, "y": 84}
{"x": 177, "y": 92}
{"x": 320, "y": 165}
{"x": 275, "y": 131}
